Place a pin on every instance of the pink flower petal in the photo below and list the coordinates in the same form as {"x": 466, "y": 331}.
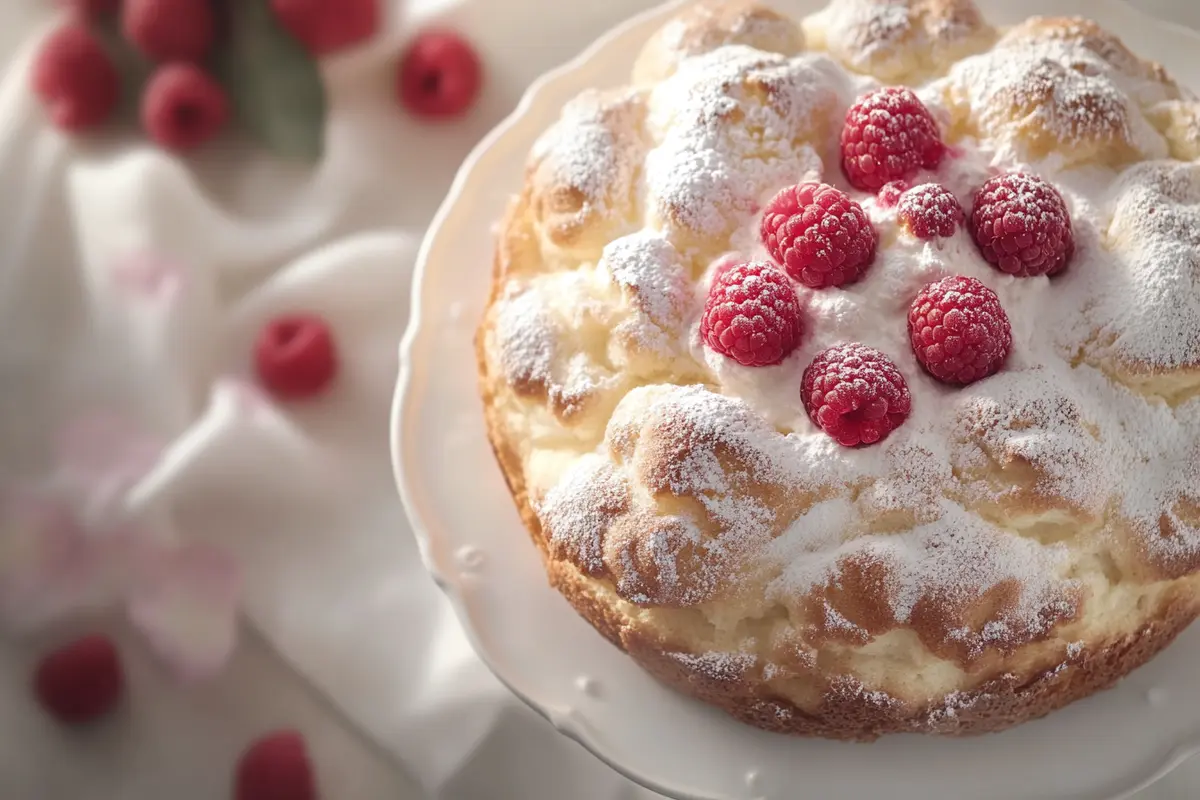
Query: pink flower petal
{"x": 101, "y": 444}
{"x": 100, "y": 457}
{"x": 48, "y": 566}
{"x": 185, "y": 602}
{"x": 149, "y": 276}
{"x": 248, "y": 399}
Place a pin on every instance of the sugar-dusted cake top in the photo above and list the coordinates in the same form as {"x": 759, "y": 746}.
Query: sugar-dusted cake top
{"x": 806, "y": 478}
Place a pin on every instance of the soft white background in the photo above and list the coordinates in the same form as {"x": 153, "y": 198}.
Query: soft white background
{"x": 168, "y": 742}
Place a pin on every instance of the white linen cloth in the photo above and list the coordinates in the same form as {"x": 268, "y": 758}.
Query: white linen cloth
{"x": 143, "y": 473}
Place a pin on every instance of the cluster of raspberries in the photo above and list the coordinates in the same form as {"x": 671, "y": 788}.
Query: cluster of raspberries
{"x": 182, "y": 106}
{"x": 820, "y": 237}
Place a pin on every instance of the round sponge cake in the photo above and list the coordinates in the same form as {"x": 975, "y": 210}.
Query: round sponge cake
{"x": 1015, "y": 544}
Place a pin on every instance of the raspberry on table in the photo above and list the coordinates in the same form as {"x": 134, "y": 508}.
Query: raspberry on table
{"x": 439, "y": 75}
{"x": 170, "y": 30}
{"x": 888, "y": 136}
{"x": 930, "y": 211}
{"x": 295, "y": 356}
{"x": 75, "y": 78}
{"x": 958, "y": 330}
{"x": 1022, "y": 226}
{"x": 855, "y": 394}
{"x": 752, "y": 315}
{"x": 275, "y": 767}
{"x": 183, "y": 107}
{"x": 327, "y": 26}
{"x": 80, "y": 682}
{"x": 819, "y": 235}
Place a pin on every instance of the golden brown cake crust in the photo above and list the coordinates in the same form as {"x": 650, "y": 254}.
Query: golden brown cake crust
{"x": 1004, "y": 658}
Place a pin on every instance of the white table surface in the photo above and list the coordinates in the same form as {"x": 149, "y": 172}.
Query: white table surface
{"x": 170, "y": 743}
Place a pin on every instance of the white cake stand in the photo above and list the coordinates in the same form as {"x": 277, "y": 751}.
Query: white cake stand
{"x": 474, "y": 543}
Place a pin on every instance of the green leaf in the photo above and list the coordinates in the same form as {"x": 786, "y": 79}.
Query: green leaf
{"x": 273, "y": 82}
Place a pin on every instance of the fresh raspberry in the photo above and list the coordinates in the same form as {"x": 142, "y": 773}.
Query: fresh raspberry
{"x": 889, "y": 195}
{"x": 75, "y": 78}
{"x": 170, "y": 30}
{"x": 888, "y": 135}
{"x": 80, "y": 682}
{"x": 752, "y": 315}
{"x": 93, "y": 9}
{"x": 295, "y": 356}
{"x": 959, "y": 331}
{"x": 820, "y": 236}
{"x": 439, "y": 75}
{"x": 275, "y": 767}
{"x": 930, "y": 211}
{"x": 183, "y": 108}
{"x": 856, "y": 394}
{"x": 326, "y": 26}
{"x": 1022, "y": 226}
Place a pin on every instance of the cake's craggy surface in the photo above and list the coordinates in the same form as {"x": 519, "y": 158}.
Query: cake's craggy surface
{"x": 1016, "y": 543}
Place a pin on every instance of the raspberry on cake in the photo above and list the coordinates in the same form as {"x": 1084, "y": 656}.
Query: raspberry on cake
{"x": 752, "y": 315}
{"x": 856, "y": 394}
{"x": 923, "y": 518}
{"x": 1022, "y": 225}
{"x": 929, "y": 211}
{"x": 819, "y": 235}
{"x": 888, "y": 136}
{"x": 959, "y": 331}
{"x": 889, "y": 193}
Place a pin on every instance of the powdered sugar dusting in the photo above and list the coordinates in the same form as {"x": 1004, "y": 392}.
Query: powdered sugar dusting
{"x": 952, "y": 562}
{"x": 580, "y": 151}
{"x": 539, "y": 343}
{"x": 1031, "y": 417}
{"x": 1147, "y": 301}
{"x": 527, "y": 339}
{"x": 947, "y": 712}
{"x": 930, "y": 210}
{"x": 580, "y": 507}
{"x": 695, "y": 33}
{"x": 724, "y": 667}
{"x": 732, "y": 125}
{"x": 651, "y": 272}
{"x": 699, "y": 444}
{"x": 867, "y": 29}
{"x": 1159, "y": 496}
{"x": 1053, "y": 97}
{"x": 891, "y": 38}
